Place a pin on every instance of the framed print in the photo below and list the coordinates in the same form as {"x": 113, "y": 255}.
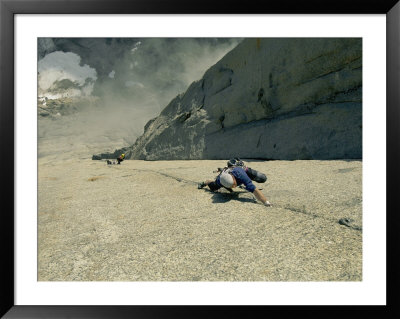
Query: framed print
{"x": 172, "y": 159}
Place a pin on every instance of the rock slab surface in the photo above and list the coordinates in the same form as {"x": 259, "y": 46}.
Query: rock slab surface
{"x": 147, "y": 221}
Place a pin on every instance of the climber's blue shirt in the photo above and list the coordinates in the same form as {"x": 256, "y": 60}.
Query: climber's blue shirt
{"x": 241, "y": 178}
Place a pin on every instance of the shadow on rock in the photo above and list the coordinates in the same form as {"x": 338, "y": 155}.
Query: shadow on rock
{"x": 226, "y": 197}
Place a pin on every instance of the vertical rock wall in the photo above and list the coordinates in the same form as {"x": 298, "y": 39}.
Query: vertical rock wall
{"x": 278, "y": 98}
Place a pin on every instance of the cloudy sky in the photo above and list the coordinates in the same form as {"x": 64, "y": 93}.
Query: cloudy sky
{"x": 59, "y": 66}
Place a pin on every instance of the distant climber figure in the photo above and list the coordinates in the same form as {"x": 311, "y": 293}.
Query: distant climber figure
{"x": 237, "y": 174}
{"x": 119, "y": 160}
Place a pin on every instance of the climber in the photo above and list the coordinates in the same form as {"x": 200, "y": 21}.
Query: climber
{"x": 121, "y": 158}
{"x": 231, "y": 177}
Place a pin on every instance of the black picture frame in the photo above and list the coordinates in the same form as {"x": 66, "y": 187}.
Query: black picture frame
{"x": 9, "y": 8}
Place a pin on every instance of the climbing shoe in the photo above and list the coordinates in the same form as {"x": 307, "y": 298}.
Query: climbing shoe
{"x": 201, "y": 185}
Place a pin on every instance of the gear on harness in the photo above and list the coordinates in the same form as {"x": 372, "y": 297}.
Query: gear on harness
{"x": 235, "y": 162}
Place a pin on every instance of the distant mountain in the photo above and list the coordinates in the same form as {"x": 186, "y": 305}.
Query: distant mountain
{"x": 272, "y": 98}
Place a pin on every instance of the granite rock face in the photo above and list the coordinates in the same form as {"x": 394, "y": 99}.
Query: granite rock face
{"x": 284, "y": 99}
